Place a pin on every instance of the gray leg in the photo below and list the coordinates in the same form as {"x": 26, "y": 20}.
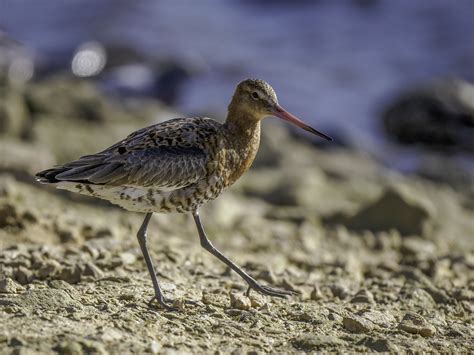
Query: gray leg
{"x": 206, "y": 244}
{"x": 141, "y": 235}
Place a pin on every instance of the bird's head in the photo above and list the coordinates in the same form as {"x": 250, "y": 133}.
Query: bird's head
{"x": 256, "y": 99}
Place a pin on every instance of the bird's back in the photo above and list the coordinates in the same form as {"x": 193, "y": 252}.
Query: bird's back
{"x": 170, "y": 166}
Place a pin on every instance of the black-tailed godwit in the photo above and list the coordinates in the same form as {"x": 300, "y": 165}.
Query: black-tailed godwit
{"x": 178, "y": 165}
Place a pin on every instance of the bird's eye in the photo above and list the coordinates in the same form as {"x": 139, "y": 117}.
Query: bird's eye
{"x": 255, "y": 95}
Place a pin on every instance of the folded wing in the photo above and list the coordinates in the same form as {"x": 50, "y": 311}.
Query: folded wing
{"x": 146, "y": 158}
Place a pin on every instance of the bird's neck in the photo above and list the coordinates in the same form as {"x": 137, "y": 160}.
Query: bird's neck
{"x": 243, "y": 137}
{"x": 243, "y": 124}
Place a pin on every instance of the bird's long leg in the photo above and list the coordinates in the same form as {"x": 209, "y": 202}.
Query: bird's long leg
{"x": 142, "y": 240}
{"x": 206, "y": 244}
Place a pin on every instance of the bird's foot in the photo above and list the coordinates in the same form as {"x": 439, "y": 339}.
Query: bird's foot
{"x": 171, "y": 305}
{"x": 164, "y": 302}
{"x": 269, "y": 291}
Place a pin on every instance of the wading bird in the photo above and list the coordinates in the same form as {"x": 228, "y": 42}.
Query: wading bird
{"x": 178, "y": 165}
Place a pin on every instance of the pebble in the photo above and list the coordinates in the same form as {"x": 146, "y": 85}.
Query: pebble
{"x": 8, "y": 215}
{"x": 363, "y": 296}
{"x": 30, "y": 217}
{"x": 415, "y": 324}
{"x": 93, "y": 251}
{"x": 89, "y": 232}
{"x": 179, "y": 304}
{"x": 464, "y": 295}
{"x": 71, "y": 274}
{"x": 379, "y": 345}
{"x": 155, "y": 347}
{"x": 421, "y": 298}
{"x": 382, "y": 319}
{"x": 217, "y": 300}
{"x": 7, "y": 285}
{"x": 257, "y": 301}
{"x": 316, "y": 294}
{"x": 340, "y": 291}
{"x": 239, "y": 301}
{"x": 70, "y": 348}
{"x": 357, "y": 324}
{"x": 128, "y": 258}
{"x": 23, "y": 275}
{"x": 90, "y": 269}
{"x": 66, "y": 235}
{"x": 48, "y": 268}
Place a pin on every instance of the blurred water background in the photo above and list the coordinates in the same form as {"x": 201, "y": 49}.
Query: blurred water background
{"x": 336, "y": 64}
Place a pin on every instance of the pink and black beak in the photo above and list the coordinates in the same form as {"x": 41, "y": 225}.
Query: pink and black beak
{"x": 283, "y": 114}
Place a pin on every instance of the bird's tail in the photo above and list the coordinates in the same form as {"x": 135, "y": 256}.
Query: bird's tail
{"x": 48, "y": 176}
{"x": 79, "y": 170}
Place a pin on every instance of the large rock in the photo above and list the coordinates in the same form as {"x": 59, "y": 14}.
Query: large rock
{"x": 440, "y": 114}
{"x": 394, "y": 209}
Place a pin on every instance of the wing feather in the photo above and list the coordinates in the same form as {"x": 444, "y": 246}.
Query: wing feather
{"x": 163, "y": 155}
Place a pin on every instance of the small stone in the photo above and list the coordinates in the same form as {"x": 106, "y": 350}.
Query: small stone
{"x": 333, "y": 316}
{"x": 93, "y": 347}
{"x": 257, "y": 301}
{"x": 363, "y": 296}
{"x": 48, "y": 268}
{"x": 239, "y": 301}
{"x": 340, "y": 291}
{"x": 379, "y": 344}
{"x": 415, "y": 324}
{"x": 179, "y": 304}
{"x": 7, "y": 285}
{"x": 8, "y": 215}
{"x": 30, "y": 217}
{"x": 127, "y": 297}
{"x": 155, "y": 347}
{"x": 419, "y": 247}
{"x": 15, "y": 341}
{"x": 464, "y": 295}
{"x": 90, "y": 269}
{"x": 382, "y": 319}
{"x": 128, "y": 258}
{"x": 23, "y": 275}
{"x": 356, "y": 324}
{"x": 111, "y": 334}
{"x": 71, "y": 274}
{"x": 93, "y": 251}
{"x": 63, "y": 285}
{"x": 217, "y": 300}
{"x": 90, "y": 232}
{"x": 308, "y": 316}
{"x": 421, "y": 298}
{"x": 66, "y": 235}
{"x": 69, "y": 348}
{"x": 316, "y": 294}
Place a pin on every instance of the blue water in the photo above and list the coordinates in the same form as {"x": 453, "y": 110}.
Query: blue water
{"x": 333, "y": 63}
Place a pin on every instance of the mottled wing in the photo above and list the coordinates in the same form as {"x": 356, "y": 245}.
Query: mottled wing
{"x": 168, "y": 155}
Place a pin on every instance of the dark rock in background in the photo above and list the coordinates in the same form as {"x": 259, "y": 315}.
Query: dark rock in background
{"x": 439, "y": 115}
{"x": 392, "y": 210}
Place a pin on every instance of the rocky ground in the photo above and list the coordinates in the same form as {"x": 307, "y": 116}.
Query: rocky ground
{"x": 379, "y": 261}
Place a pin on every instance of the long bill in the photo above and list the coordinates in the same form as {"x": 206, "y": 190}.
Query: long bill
{"x": 283, "y": 114}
